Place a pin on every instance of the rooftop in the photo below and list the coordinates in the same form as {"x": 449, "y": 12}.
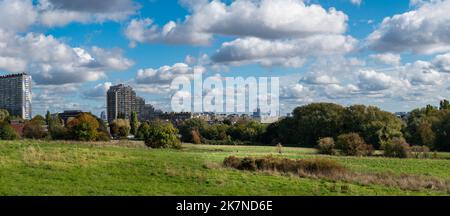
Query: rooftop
{"x": 12, "y": 75}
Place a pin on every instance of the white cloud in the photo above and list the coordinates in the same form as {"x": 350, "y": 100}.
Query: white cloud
{"x": 165, "y": 74}
{"x": 62, "y": 12}
{"x": 442, "y": 62}
{"x": 267, "y": 19}
{"x": 370, "y": 80}
{"x": 16, "y": 15}
{"x": 423, "y": 30}
{"x": 98, "y": 91}
{"x": 51, "y": 61}
{"x": 319, "y": 80}
{"x": 245, "y": 50}
{"x": 387, "y": 58}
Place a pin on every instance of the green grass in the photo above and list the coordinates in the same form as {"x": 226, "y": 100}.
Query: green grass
{"x": 129, "y": 168}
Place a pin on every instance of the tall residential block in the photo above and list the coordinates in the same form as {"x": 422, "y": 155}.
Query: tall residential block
{"x": 15, "y": 94}
{"x": 121, "y": 101}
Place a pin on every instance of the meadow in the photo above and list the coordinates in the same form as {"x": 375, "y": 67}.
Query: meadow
{"x": 129, "y": 168}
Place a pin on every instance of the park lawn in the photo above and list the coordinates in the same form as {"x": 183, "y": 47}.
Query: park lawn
{"x": 129, "y": 168}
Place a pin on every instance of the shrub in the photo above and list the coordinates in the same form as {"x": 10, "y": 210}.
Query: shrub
{"x": 326, "y": 146}
{"x": 84, "y": 127}
{"x": 59, "y": 132}
{"x": 7, "y": 132}
{"x": 34, "y": 130}
{"x": 162, "y": 135}
{"x": 103, "y": 136}
{"x": 232, "y": 162}
{"x": 4, "y": 114}
{"x": 120, "y": 128}
{"x": 420, "y": 152}
{"x": 317, "y": 166}
{"x": 353, "y": 145}
{"x": 196, "y": 138}
{"x": 397, "y": 147}
{"x": 142, "y": 130}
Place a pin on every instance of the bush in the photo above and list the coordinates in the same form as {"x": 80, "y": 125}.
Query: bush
{"x": 84, "y": 127}
{"x": 120, "y": 128}
{"x": 353, "y": 145}
{"x": 7, "y": 132}
{"x": 196, "y": 138}
{"x": 420, "y": 152}
{"x": 326, "y": 146}
{"x": 162, "y": 135}
{"x": 309, "y": 166}
{"x": 397, "y": 147}
{"x": 4, "y": 114}
{"x": 103, "y": 136}
{"x": 142, "y": 130}
{"x": 34, "y": 130}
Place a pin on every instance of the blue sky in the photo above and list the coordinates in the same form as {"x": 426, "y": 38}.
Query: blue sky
{"x": 323, "y": 50}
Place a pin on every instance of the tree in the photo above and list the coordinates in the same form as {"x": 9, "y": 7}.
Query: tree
{"x": 426, "y": 126}
{"x": 190, "y": 125}
{"x": 34, "y": 130}
{"x": 120, "y": 128}
{"x": 39, "y": 120}
{"x": 84, "y": 127}
{"x": 352, "y": 144}
{"x": 142, "y": 130}
{"x": 162, "y": 135}
{"x": 444, "y": 105}
{"x": 48, "y": 117}
{"x": 7, "y": 132}
{"x": 4, "y": 114}
{"x": 397, "y": 148}
{"x": 317, "y": 120}
{"x": 57, "y": 130}
{"x": 134, "y": 123}
{"x": 373, "y": 124}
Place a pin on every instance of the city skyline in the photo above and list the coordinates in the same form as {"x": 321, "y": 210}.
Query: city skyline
{"x": 346, "y": 52}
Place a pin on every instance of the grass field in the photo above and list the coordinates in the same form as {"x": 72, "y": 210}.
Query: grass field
{"x": 129, "y": 168}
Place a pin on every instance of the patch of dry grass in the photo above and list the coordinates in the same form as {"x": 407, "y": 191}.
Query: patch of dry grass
{"x": 333, "y": 171}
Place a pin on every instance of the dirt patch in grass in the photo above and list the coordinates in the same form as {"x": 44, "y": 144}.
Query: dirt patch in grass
{"x": 319, "y": 168}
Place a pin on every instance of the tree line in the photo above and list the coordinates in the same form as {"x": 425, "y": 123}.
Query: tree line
{"x": 428, "y": 126}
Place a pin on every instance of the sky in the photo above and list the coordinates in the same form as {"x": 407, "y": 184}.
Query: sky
{"x": 394, "y": 54}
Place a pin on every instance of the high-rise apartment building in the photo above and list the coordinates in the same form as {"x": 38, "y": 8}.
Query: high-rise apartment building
{"x": 122, "y": 101}
{"x": 15, "y": 94}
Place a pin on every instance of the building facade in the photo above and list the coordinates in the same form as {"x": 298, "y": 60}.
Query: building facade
{"x": 15, "y": 94}
{"x": 121, "y": 101}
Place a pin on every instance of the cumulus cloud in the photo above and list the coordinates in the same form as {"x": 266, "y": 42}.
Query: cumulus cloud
{"x": 387, "y": 58}
{"x": 267, "y": 32}
{"x": 244, "y": 50}
{"x": 17, "y": 15}
{"x": 51, "y": 61}
{"x": 62, "y": 12}
{"x": 165, "y": 74}
{"x": 319, "y": 80}
{"x": 267, "y": 19}
{"x": 370, "y": 80}
{"x": 98, "y": 91}
{"x": 423, "y": 30}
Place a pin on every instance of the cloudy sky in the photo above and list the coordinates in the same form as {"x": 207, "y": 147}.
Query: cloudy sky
{"x": 393, "y": 54}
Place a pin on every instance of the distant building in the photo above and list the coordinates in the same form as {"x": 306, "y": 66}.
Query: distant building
{"x": 149, "y": 113}
{"x": 15, "y": 94}
{"x": 103, "y": 116}
{"x": 176, "y": 118}
{"x": 122, "y": 101}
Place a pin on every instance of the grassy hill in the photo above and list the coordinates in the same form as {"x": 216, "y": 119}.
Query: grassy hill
{"x": 129, "y": 168}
